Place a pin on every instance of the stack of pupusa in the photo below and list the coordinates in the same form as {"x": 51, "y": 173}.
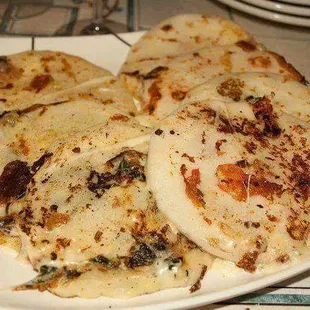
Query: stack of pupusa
{"x": 229, "y": 159}
{"x": 94, "y": 221}
{"x": 73, "y": 195}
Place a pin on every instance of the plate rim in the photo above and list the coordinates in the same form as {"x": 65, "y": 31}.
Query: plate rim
{"x": 296, "y": 2}
{"x": 265, "y": 14}
{"x": 207, "y": 298}
{"x": 280, "y": 7}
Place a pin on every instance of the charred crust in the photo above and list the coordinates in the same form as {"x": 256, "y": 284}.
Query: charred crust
{"x": 40, "y": 162}
{"x": 191, "y": 186}
{"x": 158, "y": 132}
{"x": 284, "y": 258}
{"x": 14, "y": 179}
{"x": 155, "y": 96}
{"x": 248, "y": 260}
{"x": 178, "y": 95}
{"x": 71, "y": 273}
{"x": 102, "y": 260}
{"x": 76, "y": 149}
{"x": 141, "y": 256}
{"x": 243, "y": 163}
{"x": 53, "y": 256}
{"x": 246, "y": 46}
{"x": 263, "y": 111}
{"x": 197, "y": 285}
{"x": 124, "y": 169}
{"x": 6, "y": 224}
{"x": 297, "y": 228}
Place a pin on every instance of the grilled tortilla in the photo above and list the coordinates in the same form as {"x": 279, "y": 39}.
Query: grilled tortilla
{"x": 90, "y": 226}
{"x": 231, "y": 169}
{"x": 163, "y": 90}
{"x": 173, "y": 37}
{"x": 26, "y": 78}
{"x": 28, "y": 134}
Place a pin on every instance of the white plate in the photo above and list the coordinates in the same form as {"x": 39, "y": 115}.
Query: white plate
{"x": 277, "y": 17}
{"x": 280, "y": 7}
{"x": 297, "y": 2}
{"x": 223, "y": 281}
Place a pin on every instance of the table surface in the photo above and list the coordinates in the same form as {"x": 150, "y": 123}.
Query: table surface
{"x": 291, "y": 42}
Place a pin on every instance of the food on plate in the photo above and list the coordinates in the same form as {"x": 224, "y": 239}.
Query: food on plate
{"x": 102, "y": 205}
{"x": 28, "y": 134}
{"x": 180, "y": 34}
{"x": 290, "y": 96}
{"x": 90, "y": 226}
{"x": 173, "y": 37}
{"x": 230, "y": 168}
{"x": 26, "y": 78}
{"x": 163, "y": 88}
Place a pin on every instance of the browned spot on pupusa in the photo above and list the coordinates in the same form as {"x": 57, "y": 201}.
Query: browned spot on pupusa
{"x": 166, "y": 28}
{"x": 56, "y": 219}
{"x": 234, "y": 181}
{"x": 155, "y": 96}
{"x": 45, "y": 62}
{"x": 154, "y": 73}
{"x": 40, "y": 162}
{"x": 178, "y": 95}
{"x": 22, "y": 145}
{"x": 191, "y": 186}
{"x": 248, "y": 260}
{"x": 4, "y": 64}
{"x": 197, "y": 285}
{"x": 297, "y": 228}
{"x": 8, "y": 72}
{"x": 190, "y": 158}
{"x": 39, "y": 82}
{"x": 246, "y": 46}
{"x": 300, "y": 176}
{"x": 284, "y": 258}
{"x": 225, "y": 60}
{"x": 218, "y": 145}
{"x": 67, "y": 68}
{"x": 263, "y": 111}
{"x": 98, "y": 236}
{"x": 14, "y": 180}
{"x": 260, "y": 62}
{"x": 231, "y": 88}
{"x": 119, "y": 117}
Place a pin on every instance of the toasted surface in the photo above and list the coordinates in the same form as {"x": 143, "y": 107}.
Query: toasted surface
{"x": 290, "y": 96}
{"x": 26, "y": 78}
{"x": 174, "y": 37}
{"x": 183, "y": 33}
{"x": 100, "y": 232}
{"x": 164, "y": 92}
{"x": 30, "y": 133}
{"x": 233, "y": 175}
